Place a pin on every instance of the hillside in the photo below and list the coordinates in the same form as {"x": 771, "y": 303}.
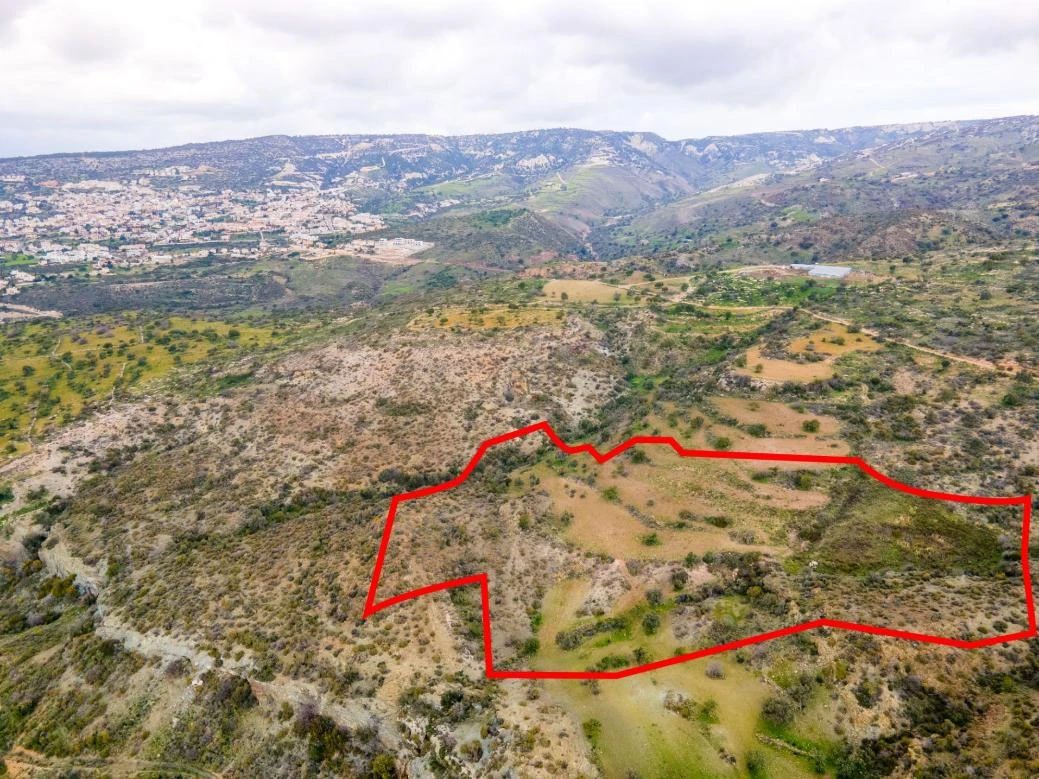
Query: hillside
{"x": 198, "y": 455}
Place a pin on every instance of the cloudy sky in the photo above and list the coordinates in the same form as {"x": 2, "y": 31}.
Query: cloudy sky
{"x": 115, "y": 74}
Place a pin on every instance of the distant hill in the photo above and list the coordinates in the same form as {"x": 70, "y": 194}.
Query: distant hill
{"x": 957, "y": 182}
{"x": 608, "y": 193}
{"x": 405, "y": 162}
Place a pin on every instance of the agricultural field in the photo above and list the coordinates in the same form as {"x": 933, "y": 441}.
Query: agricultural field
{"x": 585, "y": 291}
{"x": 633, "y": 287}
{"x": 50, "y": 373}
{"x": 810, "y": 357}
{"x": 669, "y": 285}
{"x": 745, "y": 290}
{"x": 15, "y": 260}
{"x": 688, "y": 318}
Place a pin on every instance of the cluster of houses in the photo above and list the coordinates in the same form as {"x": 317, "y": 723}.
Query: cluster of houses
{"x": 10, "y": 283}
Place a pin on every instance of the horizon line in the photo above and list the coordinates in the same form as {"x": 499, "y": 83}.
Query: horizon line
{"x": 502, "y": 133}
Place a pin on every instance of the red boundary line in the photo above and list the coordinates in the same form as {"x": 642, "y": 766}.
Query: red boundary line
{"x": 371, "y": 605}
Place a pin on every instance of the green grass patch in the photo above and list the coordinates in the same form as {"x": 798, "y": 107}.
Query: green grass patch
{"x": 872, "y": 528}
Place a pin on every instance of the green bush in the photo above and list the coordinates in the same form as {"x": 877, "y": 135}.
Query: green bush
{"x": 530, "y": 647}
{"x": 778, "y": 711}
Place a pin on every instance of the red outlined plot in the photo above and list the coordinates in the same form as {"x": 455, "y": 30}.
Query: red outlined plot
{"x": 372, "y": 605}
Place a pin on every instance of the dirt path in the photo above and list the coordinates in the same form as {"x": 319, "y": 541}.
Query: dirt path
{"x": 743, "y": 270}
{"x": 122, "y": 370}
{"x": 10, "y": 312}
{"x": 1008, "y": 365}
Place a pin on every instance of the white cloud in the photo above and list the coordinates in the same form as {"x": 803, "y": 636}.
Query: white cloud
{"x": 124, "y": 73}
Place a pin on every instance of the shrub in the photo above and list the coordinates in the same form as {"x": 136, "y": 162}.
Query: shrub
{"x": 708, "y": 713}
{"x": 325, "y": 739}
{"x": 383, "y": 767}
{"x": 755, "y": 764}
{"x": 450, "y": 697}
{"x": 571, "y": 639}
{"x": 778, "y": 711}
{"x": 867, "y": 693}
{"x": 592, "y": 731}
{"x": 530, "y": 647}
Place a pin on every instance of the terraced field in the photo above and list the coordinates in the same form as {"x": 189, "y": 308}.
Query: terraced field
{"x": 487, "y": 318}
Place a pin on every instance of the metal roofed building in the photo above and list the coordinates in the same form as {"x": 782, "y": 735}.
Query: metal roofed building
{"x": 824, "y": 271}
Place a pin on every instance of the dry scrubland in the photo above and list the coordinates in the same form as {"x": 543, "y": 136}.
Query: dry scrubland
{"x": 250, "y": 529}
{"x": 661, "y": 554}
{"x": 227, "y": 524}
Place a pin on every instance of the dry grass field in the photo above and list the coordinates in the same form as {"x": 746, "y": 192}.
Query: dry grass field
{"x": 587, "y": 291}
{"x": 834, "y": 339}
{"x": 802, "y": 362}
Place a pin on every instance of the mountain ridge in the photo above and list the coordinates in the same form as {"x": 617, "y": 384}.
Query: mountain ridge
{"x": 920, "y": 126}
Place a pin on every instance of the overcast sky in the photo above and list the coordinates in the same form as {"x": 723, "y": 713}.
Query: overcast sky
{"x": 116, "y": 74}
